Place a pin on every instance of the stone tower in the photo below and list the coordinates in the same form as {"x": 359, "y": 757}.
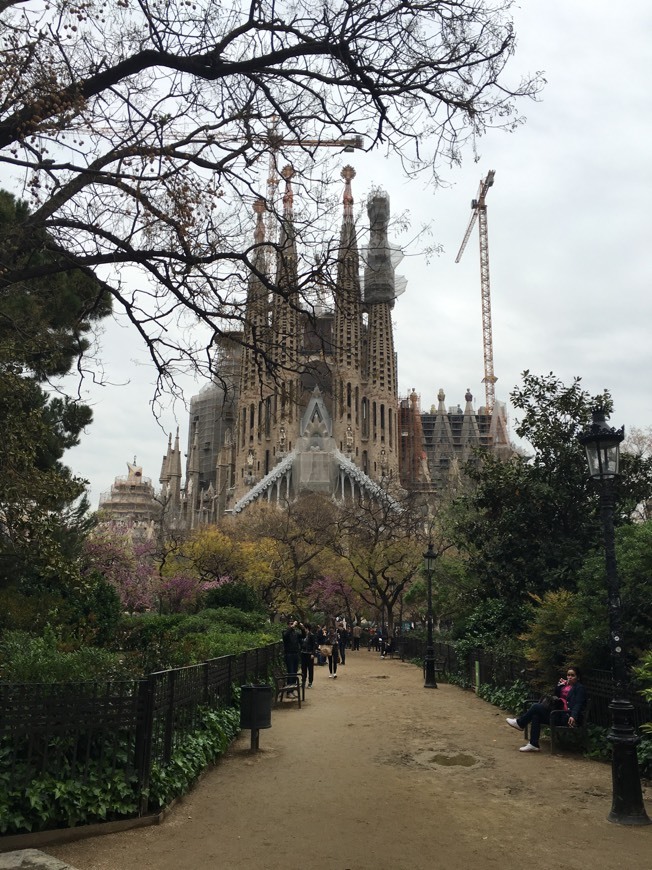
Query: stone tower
{"x": 318, "y": 402}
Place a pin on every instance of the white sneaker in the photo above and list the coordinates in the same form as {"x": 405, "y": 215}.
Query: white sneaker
{"x": 514, "y": 724}
{"x": 529, "y": 748}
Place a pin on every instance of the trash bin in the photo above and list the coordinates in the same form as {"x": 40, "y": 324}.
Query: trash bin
{"x": 255, "y": 707}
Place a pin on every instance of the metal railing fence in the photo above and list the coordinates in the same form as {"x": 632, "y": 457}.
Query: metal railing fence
{"x": 480, "y": 666}
{"x": 85, "y": 730}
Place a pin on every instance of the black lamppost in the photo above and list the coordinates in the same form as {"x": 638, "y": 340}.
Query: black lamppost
{"x": 429, "y": 559}
{"x": 602, "y": 445}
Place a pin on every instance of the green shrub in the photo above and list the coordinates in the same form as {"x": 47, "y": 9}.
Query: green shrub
{"x": 21, "y": 612}
{"x": 93, "y": 612}
{"x": 237, "y": 618}
{"x": 197, "y": 750}
{"x": 644, "y": 750}
{"x": 155, "y": 642}
{"x": 493, "y": 625}
{"x": 644, "y": 676}
{"x": 550, "y": 640}
{"x": 511, "y": 698}
{"x": 597, "y": 745}
{"x": 240, "y": 596}
{"x": 28, "y": 659}
{"x": 461, "y": 679}
{"x": 105, "y": 794}
{"x": 599, "y": 748}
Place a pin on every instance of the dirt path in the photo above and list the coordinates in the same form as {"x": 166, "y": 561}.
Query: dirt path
{"x": 368, "y": 775}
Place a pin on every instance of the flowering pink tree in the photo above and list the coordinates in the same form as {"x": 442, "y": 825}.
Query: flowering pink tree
{"x": 127, "y": 565}
{"x": 182, "y": 593}
{"x": 334, "y": 596}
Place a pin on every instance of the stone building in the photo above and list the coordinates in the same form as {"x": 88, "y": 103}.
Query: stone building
{"x": 306, "y": 398}
{"x": 309, "y": 400}
{"x": 436, "y": 445}
{"x": 132, "y": 503}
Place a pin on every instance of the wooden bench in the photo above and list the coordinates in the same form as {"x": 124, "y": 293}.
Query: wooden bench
{"x": 287, "y": 686}
{"x": 563, "y": 733}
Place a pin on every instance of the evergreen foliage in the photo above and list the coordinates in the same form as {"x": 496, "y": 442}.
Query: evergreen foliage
{"x": 45, "y": 321}
{"x": 531, "y": 523}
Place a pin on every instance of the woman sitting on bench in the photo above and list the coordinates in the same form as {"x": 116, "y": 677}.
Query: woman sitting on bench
{"x": 570, "y": 696}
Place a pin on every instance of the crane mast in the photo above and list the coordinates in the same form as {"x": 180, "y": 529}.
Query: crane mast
{"x": 479, "y": 213}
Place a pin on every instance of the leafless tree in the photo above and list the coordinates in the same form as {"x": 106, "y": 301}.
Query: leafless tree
{"x": 140, "y": 132}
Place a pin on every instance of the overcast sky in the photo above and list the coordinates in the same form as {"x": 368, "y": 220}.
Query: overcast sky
{"x": 569, "y": 240}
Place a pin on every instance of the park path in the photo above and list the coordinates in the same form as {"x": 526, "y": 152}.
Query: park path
{"x": 376, "y": 772}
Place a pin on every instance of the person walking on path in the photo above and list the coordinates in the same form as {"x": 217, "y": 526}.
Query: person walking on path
{"x": 321, "y": 635}
{"x": 308, "y": 649}
{"x": 342, "y": 640}
{"x": 291, "y": 649}
{"x": 571, "y": 696}
{"x": 332, "y": 642}
{"x": 356, "y": 631}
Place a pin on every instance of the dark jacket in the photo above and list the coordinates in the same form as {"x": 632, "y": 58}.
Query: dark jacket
{"x": 308, "y": 642}
{"x": 576, "y": 700}
{"x": 291, "y": 640}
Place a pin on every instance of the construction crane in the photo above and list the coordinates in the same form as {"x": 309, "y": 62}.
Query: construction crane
{"x": 479, "y": 212}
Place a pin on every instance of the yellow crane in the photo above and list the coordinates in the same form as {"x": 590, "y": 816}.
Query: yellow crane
{"x": 479, "y": 213}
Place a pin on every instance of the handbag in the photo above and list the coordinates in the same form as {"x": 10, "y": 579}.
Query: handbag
{"x": 551, "y": 702}
{"x": 326, "y": 650}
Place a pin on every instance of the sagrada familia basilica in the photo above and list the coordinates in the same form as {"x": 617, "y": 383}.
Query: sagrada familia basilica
{"x": 305, "y": 398}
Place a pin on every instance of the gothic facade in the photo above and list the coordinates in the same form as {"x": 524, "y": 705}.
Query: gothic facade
{"x": 437, "y": 444}
{"x": 305, "y": 398}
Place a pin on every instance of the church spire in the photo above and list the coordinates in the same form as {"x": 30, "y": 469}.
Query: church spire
{"x": 379, "y": 294}
{"x": 285, "y": 320}
{"x": 256, "y": 325}
{"x": 164, "y": 477}
{"x": 348, "y": 299}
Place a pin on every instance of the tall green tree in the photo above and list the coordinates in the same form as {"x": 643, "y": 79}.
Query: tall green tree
{"x": 45, "y": 327}
{"x": 531, "y": 521}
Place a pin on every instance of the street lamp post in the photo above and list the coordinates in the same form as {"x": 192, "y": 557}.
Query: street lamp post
{"x": 430, "y": 682}
{"x": 602, "y": 445}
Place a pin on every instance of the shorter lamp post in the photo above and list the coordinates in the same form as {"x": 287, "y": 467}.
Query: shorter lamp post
{"x": 602, "y": 445}
{"x": 430, "y": 682}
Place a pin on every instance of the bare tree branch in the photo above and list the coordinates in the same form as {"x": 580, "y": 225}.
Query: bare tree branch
{"x": 140, "y": 133}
